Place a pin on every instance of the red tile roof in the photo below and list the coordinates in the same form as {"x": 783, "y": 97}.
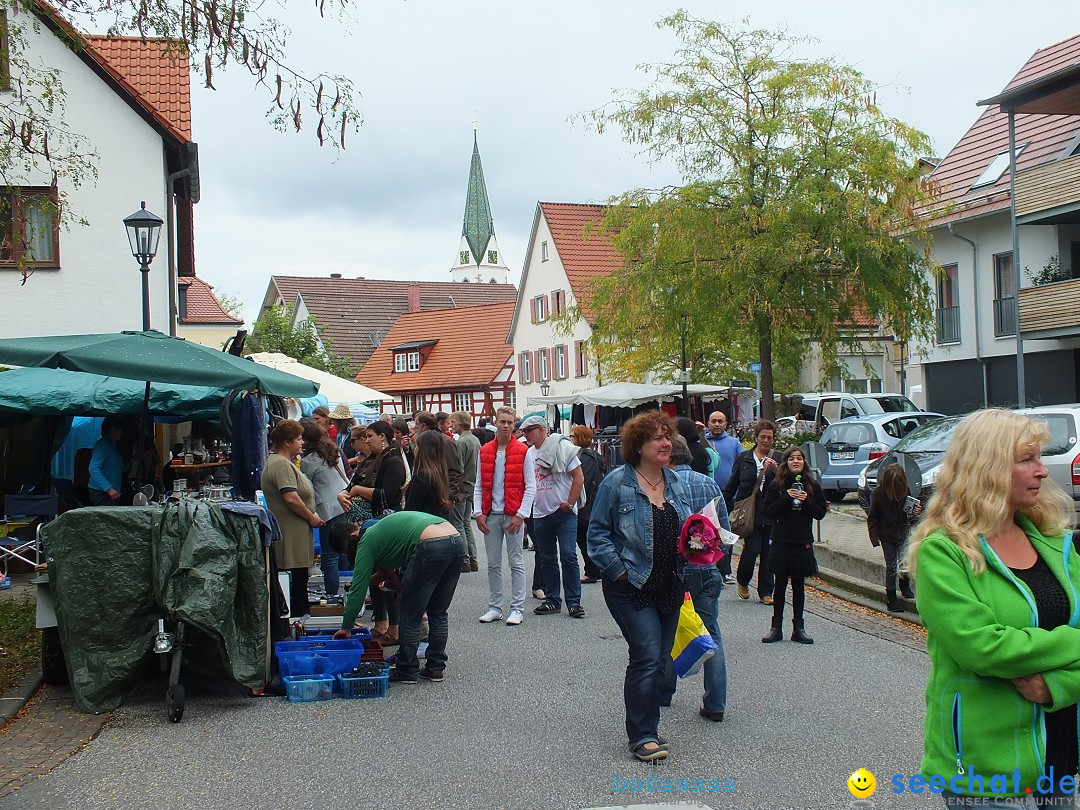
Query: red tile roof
{"x": 356, "y": 313}
{"x": 584, "y": 248}
{"x": 202, "y": 305}
{"x": 470, "y": 351}
{"x": 1044, "y": 138}
{"x": 157, "y": 72}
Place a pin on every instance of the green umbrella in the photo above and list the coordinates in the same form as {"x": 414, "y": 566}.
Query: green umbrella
{"x": 152, "y": 357}
{"x": 56, "y": 392}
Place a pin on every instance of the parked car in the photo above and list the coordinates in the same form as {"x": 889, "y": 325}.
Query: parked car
{"x": 926, "y": 446}
{"x": 832, "y": 406}
{"x": 854, "y": 442}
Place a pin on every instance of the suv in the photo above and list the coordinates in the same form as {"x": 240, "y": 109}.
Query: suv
{"x": 854, "y": 442}
{"x": 926, "y": 447}
{"x": 832, "y": 406}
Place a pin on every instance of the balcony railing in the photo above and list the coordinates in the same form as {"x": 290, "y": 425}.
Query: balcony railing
{"x": 1004, "y": 316}
{"x": 1051, "y": 310}
{"x": 948, "y": 325}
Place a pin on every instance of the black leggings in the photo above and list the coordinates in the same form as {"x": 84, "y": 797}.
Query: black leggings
{"x": 384, "y": 605}
{"x": 798, "y": 600}
{"x": 754, "y": 546}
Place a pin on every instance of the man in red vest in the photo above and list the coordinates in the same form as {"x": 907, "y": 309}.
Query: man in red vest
{"x": 502, "y": 499}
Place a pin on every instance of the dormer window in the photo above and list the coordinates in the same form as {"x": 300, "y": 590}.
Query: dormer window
{"x": 992, "y": 173}
{"x": 399, "y": 363}
{"x": 411, "y": 356}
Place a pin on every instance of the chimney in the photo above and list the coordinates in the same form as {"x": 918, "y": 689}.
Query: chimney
{"x": 414, "y": 298}
{"x": 335, "y": 275}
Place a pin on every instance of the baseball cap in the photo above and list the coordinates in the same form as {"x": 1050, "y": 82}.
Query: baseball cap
{"x": 533, "y": 421}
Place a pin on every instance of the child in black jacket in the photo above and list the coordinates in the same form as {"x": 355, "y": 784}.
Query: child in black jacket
{"x": 794, "y": 501}
{"x": 889, "y": 524}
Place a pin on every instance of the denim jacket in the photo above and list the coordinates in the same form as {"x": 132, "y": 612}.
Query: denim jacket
{"x": 620, "y": 536}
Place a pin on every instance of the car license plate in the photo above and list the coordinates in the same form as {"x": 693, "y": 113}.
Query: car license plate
{"x": 842, "y": 456}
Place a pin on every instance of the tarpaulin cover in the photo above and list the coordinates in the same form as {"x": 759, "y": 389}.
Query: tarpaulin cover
{"x": 114, "y": 571}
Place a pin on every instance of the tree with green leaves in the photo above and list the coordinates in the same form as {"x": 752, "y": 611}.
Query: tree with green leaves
{"x": 787, "y": 230}
{"x": 275, "y": 332}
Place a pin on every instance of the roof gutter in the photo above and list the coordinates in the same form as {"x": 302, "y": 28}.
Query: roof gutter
{"x": 978, "y": 338}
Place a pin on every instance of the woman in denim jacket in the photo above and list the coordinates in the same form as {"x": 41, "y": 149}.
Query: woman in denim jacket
{"x": 639, "y": 509}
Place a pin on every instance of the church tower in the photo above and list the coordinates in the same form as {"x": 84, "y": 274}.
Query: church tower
{"x": 478, "y": 258}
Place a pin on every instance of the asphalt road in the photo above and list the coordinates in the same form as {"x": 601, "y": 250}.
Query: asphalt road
{"x": 531, "y": 717}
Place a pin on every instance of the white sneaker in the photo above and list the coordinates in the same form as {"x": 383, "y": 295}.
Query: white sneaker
{"x": 515, "y": 617}
{"x": 492, "y": 615}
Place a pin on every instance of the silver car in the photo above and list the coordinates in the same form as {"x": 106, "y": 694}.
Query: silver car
{"x": 854, "y": 442}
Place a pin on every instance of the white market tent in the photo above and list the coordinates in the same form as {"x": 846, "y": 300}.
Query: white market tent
{"x": 335, "y": 389}
{"x": 629, "y": 395}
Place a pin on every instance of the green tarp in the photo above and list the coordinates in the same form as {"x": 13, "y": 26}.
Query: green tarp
{"x": 56, "y": 392}
{"x": 151, "y": 356}
{"x": 114, "y": 571}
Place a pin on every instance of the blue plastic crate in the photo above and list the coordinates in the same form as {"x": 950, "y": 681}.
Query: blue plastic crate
{"x": 319, "y": 644}
{"x": 309, "y": 688}
{"x": 361, "y": 633}
{"x": 364, "y": 688}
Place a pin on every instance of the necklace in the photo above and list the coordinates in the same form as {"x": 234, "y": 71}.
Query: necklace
{"x": 650, "y": 483}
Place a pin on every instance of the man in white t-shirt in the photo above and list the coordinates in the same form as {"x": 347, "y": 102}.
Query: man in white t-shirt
{"x": 559, "y": 483}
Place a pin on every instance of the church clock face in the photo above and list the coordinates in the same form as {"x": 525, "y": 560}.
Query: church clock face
{"x": 493, "y": 257}
{"x": 464, "y": 257}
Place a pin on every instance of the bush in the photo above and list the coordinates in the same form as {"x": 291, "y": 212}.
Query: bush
{"x": 20, "y": 641}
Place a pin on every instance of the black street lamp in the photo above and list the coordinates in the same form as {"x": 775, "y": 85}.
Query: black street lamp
{"x": 545, "y": 388}
{"x": 144, "y": 231}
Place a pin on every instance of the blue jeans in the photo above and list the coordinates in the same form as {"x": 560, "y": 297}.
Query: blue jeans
{"x": 704, "y": 583}
{"x": 428, "y": 585}
{"x": 331, "y": 562}
{"x": 650, "y": 636}
{"x": 556, "y": 543}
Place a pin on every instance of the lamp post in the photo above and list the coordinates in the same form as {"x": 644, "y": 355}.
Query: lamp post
{"x": 685, "y": 410}
{"x": 144, "y": 231}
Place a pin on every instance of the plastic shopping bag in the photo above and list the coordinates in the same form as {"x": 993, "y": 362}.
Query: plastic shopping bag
{"x": 693, "y": 644}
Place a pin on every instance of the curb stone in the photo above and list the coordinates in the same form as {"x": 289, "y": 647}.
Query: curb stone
{"x": 12, "y": 702}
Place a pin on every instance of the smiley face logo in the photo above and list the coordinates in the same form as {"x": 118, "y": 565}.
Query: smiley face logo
{"x": 862, "y": 784}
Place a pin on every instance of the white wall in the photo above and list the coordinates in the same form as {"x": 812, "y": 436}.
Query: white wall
{"x": 97, "y": 287}
{"x": 541, "y": 278}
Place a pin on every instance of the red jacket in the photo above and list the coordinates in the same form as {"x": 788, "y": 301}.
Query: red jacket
{"x": 513, "y": 479}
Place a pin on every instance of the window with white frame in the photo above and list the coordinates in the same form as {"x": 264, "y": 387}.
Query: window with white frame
{"x": 408, "y": 403}
{"x": 558, "y": 302}
{"x": 543, "y": 251}
{"x": 525, "y": 367}
{"x": 399, "y": 362}
{"x": 581, "y": 360}
{"x": 543, "y": 371}
{"x": 539, "y": 307}
{"x": 463, "y": 402}
{"x": 561, "y": 372}
{"x": 414, "y": 361}
{"x": 510, "y": 399}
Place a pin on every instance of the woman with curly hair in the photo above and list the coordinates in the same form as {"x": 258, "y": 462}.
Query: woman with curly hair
{"x": 633, "y": 533}
{"x": 999, "y": 594}
{"x": 321, "y": 463}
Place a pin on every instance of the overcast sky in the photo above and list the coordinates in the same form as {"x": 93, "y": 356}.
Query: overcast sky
{"x": 391, "y": 204}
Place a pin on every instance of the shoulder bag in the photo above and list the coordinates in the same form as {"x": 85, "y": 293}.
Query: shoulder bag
{"x": 744, "y": 511}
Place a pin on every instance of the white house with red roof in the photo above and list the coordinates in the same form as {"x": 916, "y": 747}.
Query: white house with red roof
{"x": 973, "y": 359}
{"x": 567, "y": 252}
{"x": 129, "y": 99}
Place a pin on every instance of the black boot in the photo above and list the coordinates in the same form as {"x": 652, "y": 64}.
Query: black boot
{"x": 775, "y": 634}
{"x": 905, "y": 587}
{"x": 893, "y": 602}
{"x": 799, "y": 635}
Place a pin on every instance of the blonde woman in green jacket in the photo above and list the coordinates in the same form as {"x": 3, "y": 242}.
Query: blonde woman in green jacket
{"x": 999, "y": 593}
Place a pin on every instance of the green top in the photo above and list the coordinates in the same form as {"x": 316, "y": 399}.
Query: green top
{"x": 388, "y": 544}
{"x": 982, "y": 631}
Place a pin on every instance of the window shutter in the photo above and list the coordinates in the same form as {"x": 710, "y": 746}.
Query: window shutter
{"x": 536, "y": 361}
{"x": 577, "y": 358}
{"x": 532, "y": 309}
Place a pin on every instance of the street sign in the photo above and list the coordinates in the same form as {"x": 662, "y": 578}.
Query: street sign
{"x": 741, "y": 384}
{"x": 755, "y": 368}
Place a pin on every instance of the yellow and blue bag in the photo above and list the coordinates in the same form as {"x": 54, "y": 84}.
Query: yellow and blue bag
{"x": 693, "y": 644}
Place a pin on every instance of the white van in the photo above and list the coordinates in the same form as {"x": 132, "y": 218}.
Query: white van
{"x": 822, "y": 409}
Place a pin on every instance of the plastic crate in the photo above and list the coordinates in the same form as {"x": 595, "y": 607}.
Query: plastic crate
{"x": 319, "y": 656}
{"x": 361, "y": 633}
{"x": 309, "y": 688}
{"x": 319, "y": 644}
{"x": 364, "y": 688}
{"x": 373, "y": 651}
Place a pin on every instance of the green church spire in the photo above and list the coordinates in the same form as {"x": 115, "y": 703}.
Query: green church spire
{"x": 478, "y": 227}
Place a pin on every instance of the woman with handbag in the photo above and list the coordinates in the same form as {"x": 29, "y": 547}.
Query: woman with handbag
{"x": 633, "y": 535}
{"x": 291, "y": 500}
{"x": 384, "y": 493}
{"x": 751, "y": 475}
{"x": 794, "y": 501}
{"x": 321, "y": 463}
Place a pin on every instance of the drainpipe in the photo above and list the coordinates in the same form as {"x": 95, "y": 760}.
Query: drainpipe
{"x": 978, "y": 339}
